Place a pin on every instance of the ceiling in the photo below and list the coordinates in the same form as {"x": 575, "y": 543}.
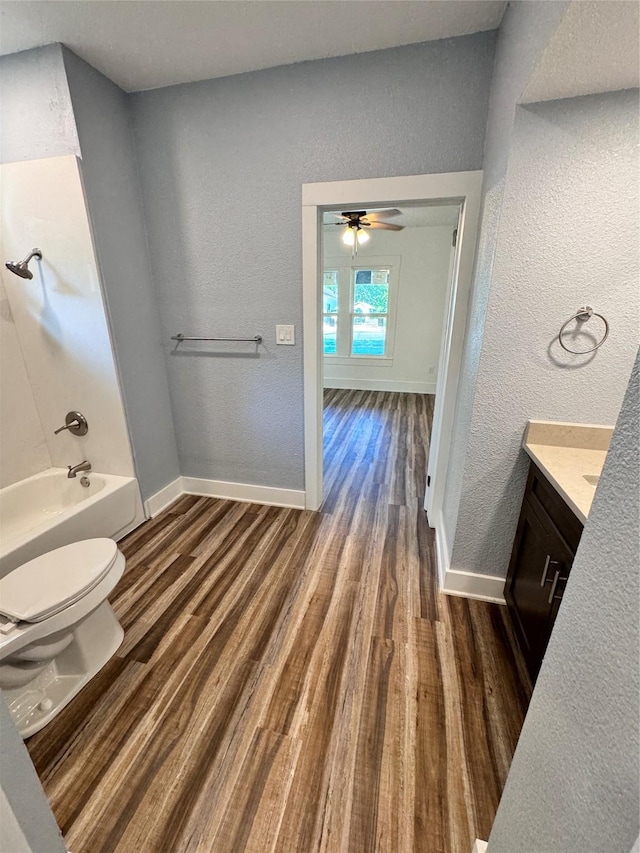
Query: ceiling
{"x": 146, "y": 44}
{"x": 596, "y": 48}
{"x": 413, "y": 217}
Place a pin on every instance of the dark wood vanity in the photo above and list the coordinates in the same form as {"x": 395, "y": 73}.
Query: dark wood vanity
{"x": 546, "y": 541}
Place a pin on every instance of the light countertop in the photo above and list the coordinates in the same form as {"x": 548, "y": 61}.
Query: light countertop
{"x": 571, "y": 456}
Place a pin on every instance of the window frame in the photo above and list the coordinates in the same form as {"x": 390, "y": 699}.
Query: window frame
{"x": 347, "y": 269}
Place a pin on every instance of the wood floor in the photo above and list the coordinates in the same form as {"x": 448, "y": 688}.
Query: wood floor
{"x": 292, "y": 681}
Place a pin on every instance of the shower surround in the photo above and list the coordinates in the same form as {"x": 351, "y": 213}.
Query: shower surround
{"x": 56, "y": 347}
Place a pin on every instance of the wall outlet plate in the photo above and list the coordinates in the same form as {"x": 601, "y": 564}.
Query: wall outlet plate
{"x": 286, "y": 335}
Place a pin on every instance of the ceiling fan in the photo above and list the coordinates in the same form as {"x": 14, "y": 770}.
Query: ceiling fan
{"x": 355, "y": 222}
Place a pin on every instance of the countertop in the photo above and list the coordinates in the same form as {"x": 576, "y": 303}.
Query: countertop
{"x": 571, "y": 456}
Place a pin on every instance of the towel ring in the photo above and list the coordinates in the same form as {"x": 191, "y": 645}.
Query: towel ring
{"x": 583, "y": 315}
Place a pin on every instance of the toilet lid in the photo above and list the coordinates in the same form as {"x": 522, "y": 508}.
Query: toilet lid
{"x": 44, "y": 586}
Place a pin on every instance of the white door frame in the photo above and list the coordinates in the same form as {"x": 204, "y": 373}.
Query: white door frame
{"x": 462, "y": 188}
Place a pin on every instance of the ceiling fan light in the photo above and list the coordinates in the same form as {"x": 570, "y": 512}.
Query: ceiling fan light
{"x": 348, "y": 236}
{"x": 363, "y": 237}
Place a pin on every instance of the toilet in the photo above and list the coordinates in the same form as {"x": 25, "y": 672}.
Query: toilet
{"x": 57, "y": 629}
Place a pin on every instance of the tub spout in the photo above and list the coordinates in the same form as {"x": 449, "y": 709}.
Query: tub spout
{"x": 74, "y": 470}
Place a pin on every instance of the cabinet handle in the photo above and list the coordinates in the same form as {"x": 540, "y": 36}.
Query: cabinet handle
{"x": 552, "y": 594}
{"x": 548, "y": 562}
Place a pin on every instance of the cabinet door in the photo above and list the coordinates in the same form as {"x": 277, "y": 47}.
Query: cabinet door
{"x": 539, "y": 567}
{"x": 528, "y": 590}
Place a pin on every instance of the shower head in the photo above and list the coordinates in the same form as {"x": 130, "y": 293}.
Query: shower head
{"x": 22, "y": 268}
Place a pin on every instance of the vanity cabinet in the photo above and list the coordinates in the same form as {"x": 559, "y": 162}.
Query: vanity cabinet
{"x": 546, "y": 541}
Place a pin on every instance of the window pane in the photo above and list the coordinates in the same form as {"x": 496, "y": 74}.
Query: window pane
{"x": 369, "y": 335}
{"x": 330, "y": 292}
{"x": 371, "y": 297}
{"x": 330, "y": 298}
{"x": 329, "y": 334}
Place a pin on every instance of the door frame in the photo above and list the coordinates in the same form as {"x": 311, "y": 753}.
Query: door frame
{"x": 463, "y": 188}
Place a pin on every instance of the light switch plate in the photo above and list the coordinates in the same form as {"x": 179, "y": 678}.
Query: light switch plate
{"x": 286, "y": 335}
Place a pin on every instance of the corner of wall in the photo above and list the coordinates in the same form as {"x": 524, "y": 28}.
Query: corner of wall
{"x": 24, "y": 801}
{"x": 37, "y": 116}
{"x": 580, "y": 734}
{"x": 107, "y": 144}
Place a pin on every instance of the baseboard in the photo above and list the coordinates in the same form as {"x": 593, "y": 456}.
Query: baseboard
{"x": 479, "y": 846}
{"x": 381, "y": 385}
{"x": 471, "y": 585}
{"x": 443, "y": 559}
{"x": 465, "y": 584}
{"x": 293, "y": 498}
{"x": 164, "y": 498}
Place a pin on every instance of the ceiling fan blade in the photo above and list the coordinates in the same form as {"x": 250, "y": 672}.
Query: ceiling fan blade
{"x": 384, "y": 226}
{"x": 383, "y": 214}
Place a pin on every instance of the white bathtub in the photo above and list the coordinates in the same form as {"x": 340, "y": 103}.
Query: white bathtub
{"x": 49, "y": 510}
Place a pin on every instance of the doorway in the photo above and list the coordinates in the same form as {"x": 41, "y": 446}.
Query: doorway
{"x": 385, "y": 279}
{"x": 459, "y": 189}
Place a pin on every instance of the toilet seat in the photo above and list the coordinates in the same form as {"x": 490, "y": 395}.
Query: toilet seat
{"x": 48, "y": 584}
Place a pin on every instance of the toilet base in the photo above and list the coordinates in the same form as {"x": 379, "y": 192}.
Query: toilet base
{"x": 95, "y": 640}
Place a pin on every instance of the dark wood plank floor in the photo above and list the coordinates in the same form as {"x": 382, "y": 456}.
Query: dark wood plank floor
{"x": 292, "y": 681}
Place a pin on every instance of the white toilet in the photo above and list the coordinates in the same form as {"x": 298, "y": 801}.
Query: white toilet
{"x": 57, "y": 629}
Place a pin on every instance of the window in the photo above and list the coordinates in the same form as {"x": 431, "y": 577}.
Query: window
{"x": 357, "y": 309}
{"x": 370, "y": 312}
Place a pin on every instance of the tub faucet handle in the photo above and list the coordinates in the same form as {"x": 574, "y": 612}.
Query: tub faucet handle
{"x": 76, "y": 423}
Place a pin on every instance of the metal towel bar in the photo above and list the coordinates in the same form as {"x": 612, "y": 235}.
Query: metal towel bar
{"x": 256, "y": 339}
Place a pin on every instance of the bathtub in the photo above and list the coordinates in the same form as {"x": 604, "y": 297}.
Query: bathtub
{"x": 49, "y": 510}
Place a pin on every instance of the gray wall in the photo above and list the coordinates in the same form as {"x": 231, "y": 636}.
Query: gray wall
{"x": 545, "y": 248}
{"x": 36, "y": 118}
{"x": 524, "y": 33}
{"x": 54, "y": 104}
{"x": 27, "y": 822}
{"x": 558, "y": 248}
{"x": 112, "y": 190}
{"x": 573, "y": 784}
{"x": 222, "y": 163}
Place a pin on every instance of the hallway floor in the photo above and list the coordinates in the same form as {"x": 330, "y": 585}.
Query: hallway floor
{"x": 292, "y": 681}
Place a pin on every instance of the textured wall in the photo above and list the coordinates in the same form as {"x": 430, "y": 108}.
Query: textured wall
{"x": 55, "y": 104}
{"x": 222, "y": 163}
{"x": 524, "y": 33}
{"x": 24, "y": 808}
{"x": 558, "y": 248}
{"x": 113, "y": 198}
{"x": 36, "y": 119}
{"x": 573, "y": 784}
{"x": 424, "y": 255}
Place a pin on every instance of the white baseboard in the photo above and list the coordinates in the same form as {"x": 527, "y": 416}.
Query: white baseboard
{"x": 479, "y": 846}
{"x": 381, "y": 385}
{"x": 471, "y": 585}
{"x": 465, "y": 584}
{"x": 243, "y": 492}
{"x": 443, "y": 558}
{"x": 162, "y": 499}
{"x": 293, "y": 498}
